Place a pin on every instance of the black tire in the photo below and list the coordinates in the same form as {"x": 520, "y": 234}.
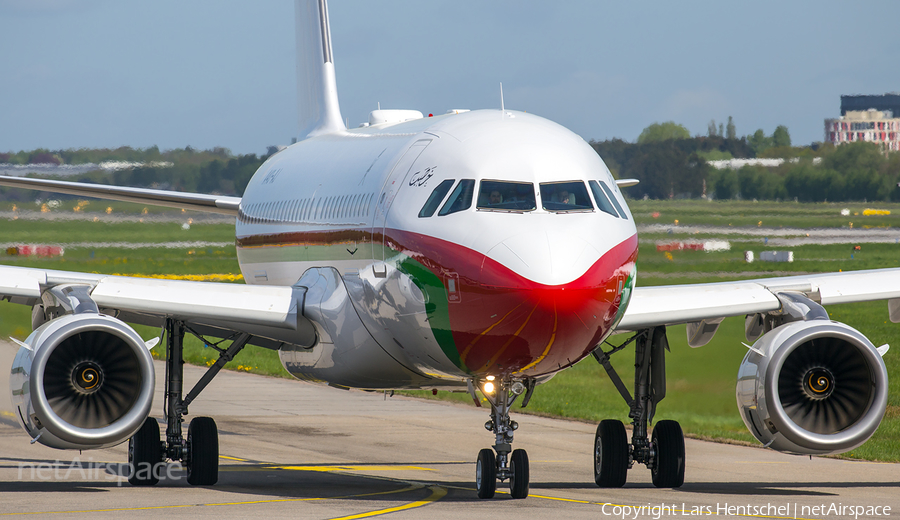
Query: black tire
{"x": 486, "y": 473}
{"x": 203, "y": 450}
{"x": 144, "y": 455}
{"x": 518, "y": 480}
{"x": 668, "y": 469}
{"x": 610, "y": 454}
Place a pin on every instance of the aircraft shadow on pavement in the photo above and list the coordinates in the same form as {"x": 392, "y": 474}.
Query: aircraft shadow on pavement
{"x": 240, "y": 479}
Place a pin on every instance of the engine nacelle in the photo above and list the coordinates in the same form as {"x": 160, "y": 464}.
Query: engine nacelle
{"x": 84, "y": 381}
{"x": 812, "y": 387}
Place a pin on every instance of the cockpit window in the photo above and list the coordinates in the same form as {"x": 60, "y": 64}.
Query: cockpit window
{"x": 614, "y": 200}
{"x": 602, "y": 200}
{"x": 434, "y": 200}
{"x": 460, "y": 199}
{"x": 506, "y": 196}
{"x": 565, "y": 196}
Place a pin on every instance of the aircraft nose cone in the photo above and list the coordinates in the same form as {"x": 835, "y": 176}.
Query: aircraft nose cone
{"x": 547, "y": 258}
{"x": 548, "y": 299}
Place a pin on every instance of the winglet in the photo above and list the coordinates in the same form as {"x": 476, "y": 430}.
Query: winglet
{"x": 760, "y": 352}
{"x": 317, "y": 101}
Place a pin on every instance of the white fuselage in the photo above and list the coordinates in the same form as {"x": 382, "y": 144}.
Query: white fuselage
{"x": 526, "y": 279}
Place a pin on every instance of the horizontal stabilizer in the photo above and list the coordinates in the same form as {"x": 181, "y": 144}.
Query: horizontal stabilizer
{"x": 172, "y": 199}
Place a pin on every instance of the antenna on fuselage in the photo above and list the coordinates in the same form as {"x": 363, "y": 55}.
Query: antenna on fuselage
{"x": 502, "y": 108}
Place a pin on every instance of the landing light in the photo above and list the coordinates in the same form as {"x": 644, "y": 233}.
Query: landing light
{"x": 517, "y": 388}
{"x": 488, "y": 388}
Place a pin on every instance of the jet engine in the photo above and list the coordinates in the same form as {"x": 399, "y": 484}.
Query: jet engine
{"x": 82, "y": 381}
{"x": 812, "y": 387}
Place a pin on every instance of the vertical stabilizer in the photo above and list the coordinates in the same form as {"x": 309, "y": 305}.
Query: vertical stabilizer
{"x": 317, "y": 100}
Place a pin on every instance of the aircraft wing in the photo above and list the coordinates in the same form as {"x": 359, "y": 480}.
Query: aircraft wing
{"x": 693, "y": 303}
{"x": 172, "y": 199}
{"x": 272, "y": 314}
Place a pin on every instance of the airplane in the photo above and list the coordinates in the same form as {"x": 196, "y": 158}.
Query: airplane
{"x": 478, "y": 250}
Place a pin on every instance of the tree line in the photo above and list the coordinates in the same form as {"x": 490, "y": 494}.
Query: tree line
{"x": 670, "y": 163}
{"x": 666, "y": 159}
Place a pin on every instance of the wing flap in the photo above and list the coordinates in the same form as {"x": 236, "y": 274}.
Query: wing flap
{"x": 172, "y": 199}
{"x": 671, "y": 304}
{"x": 232, "y": 306}
{"x": 20, "y": 285}
{"x": 674, "y": 304}
{"x": 201, "y": 301}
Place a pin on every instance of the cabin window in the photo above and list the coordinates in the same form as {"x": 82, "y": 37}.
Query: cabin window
{"x": 460, "y": 199}
{"x": 506, "y": 196}
{"x": 565, "y": 197}
{"x": 613, "y": 199}
{"x": 434, "y": 200}
{"x": 602, "y": 200}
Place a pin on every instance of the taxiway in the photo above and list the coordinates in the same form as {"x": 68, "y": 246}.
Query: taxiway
{"x": 292, "y": 449}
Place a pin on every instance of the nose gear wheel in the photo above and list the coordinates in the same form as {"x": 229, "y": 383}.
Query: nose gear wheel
{"x": 507, "y": 464}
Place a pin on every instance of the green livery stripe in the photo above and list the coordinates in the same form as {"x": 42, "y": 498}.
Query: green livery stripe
{"x": 436, "y": 307}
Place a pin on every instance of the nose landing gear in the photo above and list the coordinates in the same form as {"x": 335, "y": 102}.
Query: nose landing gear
{"x": 508, "y": 464}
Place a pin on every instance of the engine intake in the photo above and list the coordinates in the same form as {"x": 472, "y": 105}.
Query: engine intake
{"x": 812, "y": 387}
{"x": 83, "y": 381}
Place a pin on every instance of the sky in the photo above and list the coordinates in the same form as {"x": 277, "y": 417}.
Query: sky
{"x": 221, "y": 73}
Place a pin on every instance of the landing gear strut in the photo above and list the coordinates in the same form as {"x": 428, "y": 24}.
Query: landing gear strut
{"x": 663, "y": 452}
{"x": 508, "y": 463}
{"x": 200, "y": 451}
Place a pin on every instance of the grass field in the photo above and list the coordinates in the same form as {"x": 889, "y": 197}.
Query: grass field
{"x": 700, "y": 381}
{"x": 740, "y": 213}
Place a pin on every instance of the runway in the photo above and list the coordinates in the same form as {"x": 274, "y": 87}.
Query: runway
{"x": 292, "y": 449}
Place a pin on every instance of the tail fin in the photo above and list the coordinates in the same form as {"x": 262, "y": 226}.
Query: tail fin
{"x": 317, "y": 100}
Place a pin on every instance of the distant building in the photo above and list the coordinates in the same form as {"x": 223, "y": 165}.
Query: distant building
{"x": 862, "y": 103}
{"x": 870, "y": 125}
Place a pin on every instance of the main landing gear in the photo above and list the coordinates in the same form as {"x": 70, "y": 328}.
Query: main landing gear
{"x": 199, "y": 453}
{"x": 508, "y": 463}
{"x": 663, "y": 452}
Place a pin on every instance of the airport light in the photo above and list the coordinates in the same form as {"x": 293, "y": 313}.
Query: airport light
{"x": 517, "y": 388}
